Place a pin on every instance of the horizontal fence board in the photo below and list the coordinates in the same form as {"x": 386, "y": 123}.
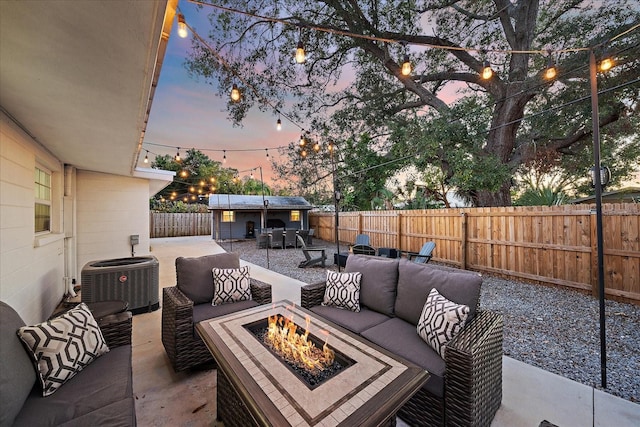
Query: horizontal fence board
{"x": 551, "y": 245}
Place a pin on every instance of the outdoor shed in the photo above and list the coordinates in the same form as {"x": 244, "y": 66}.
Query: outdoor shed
{"x": 238, "y": 216}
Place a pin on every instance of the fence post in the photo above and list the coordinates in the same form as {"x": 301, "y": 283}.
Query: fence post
{"x": 399, "y": 228}
{"x": 463, "y": 241}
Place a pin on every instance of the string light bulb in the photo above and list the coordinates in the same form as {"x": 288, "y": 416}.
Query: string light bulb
{"x": 303, "y": 153}
{"x": 303, "y": 142}
{"x": 224, "y": 156}
{"x": 550, "y": 72}
{"x": 406, "y": 66}
{"x": 183, "y": 32}
{"x": 178, "y": 155}
{"x": 279, "y": 125}
{"x": 606, "y": 63}
{"x": 235, "y": 93}
{"x": 487, "y": 72}
{"x": 266, "y": 150}
{"x": 316, "y": 147}
{"x": 301, "y": 56}
{"x": 146, "y": 157}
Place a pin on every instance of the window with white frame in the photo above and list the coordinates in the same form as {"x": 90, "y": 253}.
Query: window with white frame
{"x": 42, "y": 200}
{"x": 295, "y": 216}
{"x": 228, "y": 216}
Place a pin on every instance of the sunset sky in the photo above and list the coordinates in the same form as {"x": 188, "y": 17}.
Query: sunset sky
{"x": 187, "y": 113}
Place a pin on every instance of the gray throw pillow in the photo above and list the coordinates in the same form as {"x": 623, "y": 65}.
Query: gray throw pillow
{"x": 379, "y": 281}
{"x": 195, "y": 278}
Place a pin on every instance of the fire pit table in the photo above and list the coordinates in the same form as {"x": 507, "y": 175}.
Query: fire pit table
{"x": 363, "y": 385}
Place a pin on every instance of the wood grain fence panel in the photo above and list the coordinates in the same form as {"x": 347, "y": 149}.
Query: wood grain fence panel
{"x": 554, "y": 245}
{"x": 179, "y": 224}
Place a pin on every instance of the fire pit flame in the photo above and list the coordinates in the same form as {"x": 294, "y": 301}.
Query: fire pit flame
{"x": 284, "y": 339}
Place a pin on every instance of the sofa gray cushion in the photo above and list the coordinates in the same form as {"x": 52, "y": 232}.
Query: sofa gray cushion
{"x": 379, "y": 281}
{"x": 207, "y": 311}
{"x": 355, "y": 322}
{"x": 401, "y": 338}
{"x": 195, "y": 276}
{"x": 106, "y": 381}
{"x": 415, "y": 281}
{"x": 17, "y": 375}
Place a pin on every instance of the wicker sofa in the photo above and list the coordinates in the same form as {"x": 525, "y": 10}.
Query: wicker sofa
{"x": 101, "y": 394}
{"x": 465, "y": 388}
{"x": 189, "y": 302}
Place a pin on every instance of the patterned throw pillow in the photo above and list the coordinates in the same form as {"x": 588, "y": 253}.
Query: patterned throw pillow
{"x": 343, "y": 290}
{"x": 231, "y": 285}
{"x": 63, "y": 346}
{"x": 441, "y": 320}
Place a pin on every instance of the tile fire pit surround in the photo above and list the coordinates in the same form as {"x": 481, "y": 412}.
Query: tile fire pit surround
{"x": 371, "y": 390}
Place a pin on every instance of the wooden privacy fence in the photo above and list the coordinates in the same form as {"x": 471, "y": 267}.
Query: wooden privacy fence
{"x": 552, "y": 245}
{"x": 179, "y": 224}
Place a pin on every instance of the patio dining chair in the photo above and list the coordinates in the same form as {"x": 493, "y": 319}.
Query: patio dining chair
{"x": 363, "y": 250}
{"x": 276, "y": 238}
{"x": 424, "y": 256}
{"x": 290, "y": 240}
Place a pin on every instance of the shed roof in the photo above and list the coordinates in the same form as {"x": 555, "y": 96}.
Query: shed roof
{"x": 239, "y": 202}
{"x": 624, "y": 195}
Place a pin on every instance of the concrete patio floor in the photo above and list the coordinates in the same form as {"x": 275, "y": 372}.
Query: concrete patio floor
{"x": 166, "y": 398}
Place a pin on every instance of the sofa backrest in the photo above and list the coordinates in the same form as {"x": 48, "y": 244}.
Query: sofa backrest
{"x": 379, "y": 281}
{"x": 194, "y": 276}
{"x": 415, "y": 281}
{"x": 17, "y": 375}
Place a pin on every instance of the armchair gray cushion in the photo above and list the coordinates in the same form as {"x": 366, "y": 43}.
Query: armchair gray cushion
{"x": 17, "y": 375}
{"x": 195, "y": 276}
{"x": 379, "y": 281}
{"x": 415, "y": 281}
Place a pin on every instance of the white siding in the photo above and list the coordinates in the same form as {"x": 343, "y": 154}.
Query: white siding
{"x": 31, "y": 268}
{"x": 110, "y": 208}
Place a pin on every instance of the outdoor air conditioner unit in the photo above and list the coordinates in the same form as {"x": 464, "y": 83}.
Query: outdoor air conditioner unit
{"x": 134, "y": 280}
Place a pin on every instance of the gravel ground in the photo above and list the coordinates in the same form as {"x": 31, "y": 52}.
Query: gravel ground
{"x": 554, "y": 329}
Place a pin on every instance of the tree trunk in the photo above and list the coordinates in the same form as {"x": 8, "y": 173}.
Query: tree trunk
{"x": 501, "y": 197}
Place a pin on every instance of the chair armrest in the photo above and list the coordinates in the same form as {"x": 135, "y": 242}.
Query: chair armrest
{"x": 116, "y": 328}
{"x": 260, "y": 292}
{"x": 312, "y": 295}
{"x": 177, "y": 320}
{"x": 473, "y": 385}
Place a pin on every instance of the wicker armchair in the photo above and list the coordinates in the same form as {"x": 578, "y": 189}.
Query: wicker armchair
{"x": 473, "y": 376}
{"x": 183, "y": 346}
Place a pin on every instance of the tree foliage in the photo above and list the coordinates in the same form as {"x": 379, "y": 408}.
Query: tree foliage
{"x": 494, "y": 129}
{"x": 197, "y": 176}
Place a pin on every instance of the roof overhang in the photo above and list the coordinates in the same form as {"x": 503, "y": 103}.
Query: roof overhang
{"x": 79, "y": 77}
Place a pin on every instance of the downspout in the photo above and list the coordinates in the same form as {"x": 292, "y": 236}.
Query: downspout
{"x": 70, "y": 230}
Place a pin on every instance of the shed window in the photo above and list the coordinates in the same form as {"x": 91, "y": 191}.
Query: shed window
{"x": 42, "y": 187}
{"x": 228, "y": 216}
{"x": 295, "y": 215}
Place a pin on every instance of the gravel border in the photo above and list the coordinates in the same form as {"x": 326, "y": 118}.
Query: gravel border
{"x": 555, "y": 329}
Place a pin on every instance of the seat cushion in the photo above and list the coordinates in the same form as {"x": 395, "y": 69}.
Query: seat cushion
{"x": 401, "y": 338}
{"x": 207, "y": 311}
{"x": 415, "y": 281}
{"x": 17, "y": 376}
{"x": 106, "y": 381}
{"x": 355, "y": 322}
{"x": 195, "y": 276}
{"x": 379, "y": 281}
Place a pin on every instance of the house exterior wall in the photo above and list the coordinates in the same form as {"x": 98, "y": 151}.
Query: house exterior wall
{"x": 32, "y": 267}
{"x": 110, "y": 208}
